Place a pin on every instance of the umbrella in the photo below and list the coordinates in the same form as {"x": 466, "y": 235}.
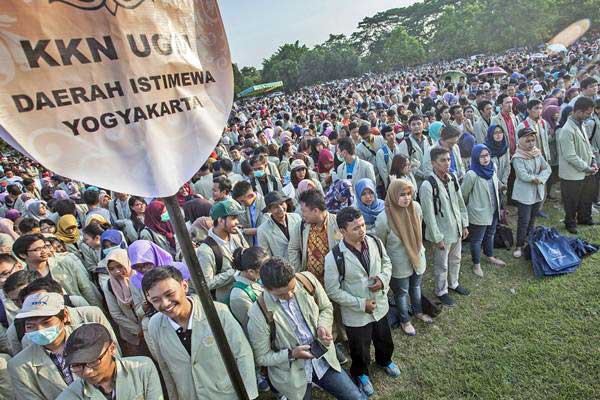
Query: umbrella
{"x": 493, "y": 71}
{"x": 454, "y": 74}
{"x": 538, "y": 56}
{"x": 557, "y": 48}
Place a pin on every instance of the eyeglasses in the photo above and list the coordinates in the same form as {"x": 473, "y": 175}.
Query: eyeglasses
{"x": 37, "y": 249}
{"x": 77, "y": 368}
{"x": 8, "y": 273}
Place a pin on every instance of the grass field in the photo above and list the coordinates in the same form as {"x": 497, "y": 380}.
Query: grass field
{"x": 514, "y": 337}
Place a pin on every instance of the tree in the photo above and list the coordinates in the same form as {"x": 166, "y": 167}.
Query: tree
{"x": 284, "y": 65}
{"x": 394, "y": 50}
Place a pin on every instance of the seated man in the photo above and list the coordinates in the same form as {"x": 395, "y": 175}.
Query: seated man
{"x": 91, "y": 354}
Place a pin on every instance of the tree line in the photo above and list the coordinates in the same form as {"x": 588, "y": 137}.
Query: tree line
{"x": 430, "y": 30}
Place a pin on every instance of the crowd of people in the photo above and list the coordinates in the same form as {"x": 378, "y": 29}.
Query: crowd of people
{"x": 310, "y": 221}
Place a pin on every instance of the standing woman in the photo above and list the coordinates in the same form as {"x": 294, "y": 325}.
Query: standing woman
{"x": 497, "y": 144}
{"x": 402, "y": 169}
{"x": 137, "y": 206}
{"x": 480, "y": 192}
{"x": 551, "y": 114}
{"x": 125, "y": 302}
{"x": 368, "y": 203}
{"x": 531, "y": 171}
{"x": 325, "y": 168}
{"x": 158, "y": 229}
{"x": 246, "y": 289}
{"x": 400, "y": 230}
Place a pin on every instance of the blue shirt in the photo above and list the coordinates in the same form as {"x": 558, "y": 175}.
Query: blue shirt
{"x": 350, "y": 168}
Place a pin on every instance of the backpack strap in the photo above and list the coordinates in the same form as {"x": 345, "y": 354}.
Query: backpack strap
{"x": 270, "y": 321}
{"x": 386, "y": 153}
{"x": 435, "y": 191}
{"x": 246, "y": 288}
{"x": 367, "y": 147}
{"x": 306, "y": 283}
{"x": 594, "y": 130}
{"x": 379, "y": 246}
{"x": 210, "y": 242}
{"x": 340, "y": 262}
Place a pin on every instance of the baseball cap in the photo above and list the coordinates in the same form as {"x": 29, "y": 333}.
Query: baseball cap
{"x": 86, "y": 343}
{"x": 225, "y": 208}
{"x": 526, "y": 132}
{"x": 274, "y": 197}
{"x": 538, "y": 88}
{"x": 41, "y": 305}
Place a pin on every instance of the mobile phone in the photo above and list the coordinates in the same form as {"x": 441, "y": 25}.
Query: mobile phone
{"x": 317, "y": 349}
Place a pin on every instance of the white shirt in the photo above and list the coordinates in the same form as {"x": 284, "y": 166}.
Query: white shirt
{"x": 176, "y": 326}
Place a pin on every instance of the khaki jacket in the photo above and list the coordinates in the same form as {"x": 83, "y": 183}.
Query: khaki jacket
{"x": 222, "y": 281}
{"x": 460, "y": 166}
{"x": 368, "y": 152}
{"x": 383, "y": 167}
{"x": 448, "y": 224}
{"x": 203, "y": 375}
{"x": 289, "y": 377}
{"x": 575, "y": 155}
{"x": 203, "y": 186}
{"x": 127, "y": 317}
{"x": 502, "y": 167}
{"x": 362, "y": 169}
{"x": 417, "y": 158}
{"x": 477, "y": 196}
{"x": 33, "y": 373}
{"x": 299, "y": 241}
{"x": 137, "y": 379}
{"x": 401, "y": 266}
{"x": 352, "y": 292}
{"x": 481, "y": 127}
{"x": 88, "y": 256}
{"x": 525, "y": 170}
{"x": 541, "y": 128}
{"x": 6, "y": 387}
{"x": 240, "y": 302}
{"x": 272, "y": 239}
{"x": 159, "y": 240}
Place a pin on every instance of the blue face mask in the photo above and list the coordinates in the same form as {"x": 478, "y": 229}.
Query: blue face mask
{"x": 107, "y": 251}
{"x": 259, "y": 174}
{"x": 165, "y": 217}
{"x": 44, "y": 336}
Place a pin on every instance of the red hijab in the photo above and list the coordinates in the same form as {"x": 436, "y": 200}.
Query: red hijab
{"x": 325, "y": 156}
{"x": 152, "y": 220}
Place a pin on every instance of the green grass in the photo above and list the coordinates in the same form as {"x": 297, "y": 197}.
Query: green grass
{"x": 514, "y": 337}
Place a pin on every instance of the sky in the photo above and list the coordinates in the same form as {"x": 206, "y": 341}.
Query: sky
{"x": 256, "y": 29}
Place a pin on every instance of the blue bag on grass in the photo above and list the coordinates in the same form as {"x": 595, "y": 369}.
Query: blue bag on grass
{"x": 551, "y": 253}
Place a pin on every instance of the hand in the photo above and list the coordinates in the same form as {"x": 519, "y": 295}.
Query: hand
{"x": 324, "y": 335}
{"x": 536, "y": 181}
{"x": 465, "y": 233}
{"x": 440, "y": 245}
{"x": 376, "y": 285}
{"x": 302, "y": 352}
{"x": 594, "y": 169}
{"x": 370, "y": 306}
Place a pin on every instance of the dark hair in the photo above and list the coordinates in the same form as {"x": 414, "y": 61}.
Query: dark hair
{"x": 246, "y": 167}
{"x": 224, "y": 184}
{"x": 482, "y": 104}
{"x": 21, "y": 245}
{"x": 64, "y": 207}
{"x": 7, "y": 258}
{"x": 95, "y": 228}
{"x": 240, "y": 189}
{"x": 156, "y": 275}
{"x": 249, "y": 258}
{"x": 13, "y": 190}
{"x": 501, "y": 98}
{"x": 583, "y": 104}
{"x": 347, "y": 144}
{"x": 436, "y": 152}
{"x": 313, "y": 198}
{"x": 454, "y": 108}
{"x": 398, "y": 163}
{"x": 226, "y": 165}
{"x": 27, "y": 181}
{"x": 47, "y": 222}
{"x": 20, "y": 278}
{"x": 138, "y": 225}
{"x": 587, "y": 82}
{"x": 27, "y": 225}
{"x": 258, "y": 158}
{"x": 347, "y": 215}
{"x": 276, "y": 273}
{"x": 91, "y": 197}
{"x": 46, "y": 283}
{"x": 532, "y": 103}
{"x": 449, "y": 132}
{"x": 414, "y": 117}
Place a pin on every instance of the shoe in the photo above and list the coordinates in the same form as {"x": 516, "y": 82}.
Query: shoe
{"x": 461, "y": 290}
{"x": 588, "y": 223}
{"x": 339, "y": 352}
{"x": 392, "y": 370}
{"x": 262, "y": 383}
{"x": 497, "y": 262}
{"x": 572, "y": 229}
{"x": 542, "y": 214}
{"x": 365, "y": 385}
{"x": 446, "y": 300}
{"x": 408, "y": 328}
{"x": 477, "y": 270}
{"x": 425, "y": 318}
{"x": 517, "y": 253}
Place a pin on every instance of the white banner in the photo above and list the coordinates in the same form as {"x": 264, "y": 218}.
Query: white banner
{"x": 129, "y": 95}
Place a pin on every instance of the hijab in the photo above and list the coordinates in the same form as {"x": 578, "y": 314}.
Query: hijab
{"x": 548, "y": 115}
{"x": 304, "y": 185}
{"x": 196, "y": 208}
{"x": 485, "y": 172}
{"x": 496, "y": 149}
{"x": 339, "y": 196}
{"x": 120, "y": 285}
{"x": 152, "y": 220}
{"x": 33, "y": 209}
{"x": 527, "y": 155}
{"x": 113, "y": 236}
{"x": 325, "y": 156}
{"x": 96, "y": 218}
{"x": 404, "y": 221}
{"x": 434, "y": 130}
{"x": 144, "y": 251}
{"x": 369, "y": 212}
{"x": 65, "y": 222}
{"x": 7, "y": 226}
{"x": 181, "y": 199}
{"x": 60, "y": 195}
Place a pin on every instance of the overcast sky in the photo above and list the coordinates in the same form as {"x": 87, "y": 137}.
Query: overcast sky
{"x": 256, "y": 29}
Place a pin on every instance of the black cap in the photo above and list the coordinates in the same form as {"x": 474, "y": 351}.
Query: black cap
{"x": 274, "y": 197}
{"x": 86, "y": 344}
{"x": 526, "y": 132}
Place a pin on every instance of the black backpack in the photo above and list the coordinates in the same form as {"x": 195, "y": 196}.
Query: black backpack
{"x": 340, "y": 263}
{"x": 503, "y": 239}
{"x": 409, "y": 144}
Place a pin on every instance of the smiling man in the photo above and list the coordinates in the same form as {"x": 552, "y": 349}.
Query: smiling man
{"x": 182, "y": 342}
